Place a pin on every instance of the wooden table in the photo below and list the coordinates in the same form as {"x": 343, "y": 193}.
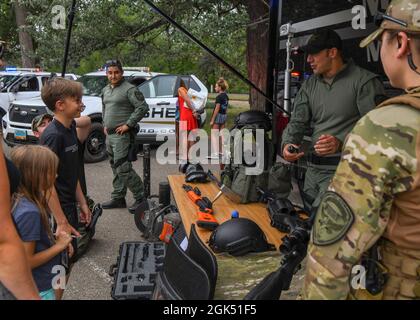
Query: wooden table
{"x": 223, "y": 208}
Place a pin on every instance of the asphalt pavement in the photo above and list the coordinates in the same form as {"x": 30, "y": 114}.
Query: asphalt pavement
{"x": 89, "y": 279}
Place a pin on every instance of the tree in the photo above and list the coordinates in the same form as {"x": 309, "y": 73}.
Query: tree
{"x": 131, "y": 31}
{"x": 257, "y": 49}
{"x": 25, "y": 39}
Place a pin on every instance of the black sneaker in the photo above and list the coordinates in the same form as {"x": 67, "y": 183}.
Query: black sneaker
{"x": 132, "y": 209}
{"x": 114, "y": 204}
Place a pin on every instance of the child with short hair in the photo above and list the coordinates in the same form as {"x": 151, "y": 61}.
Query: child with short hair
{"x": 38, "y": 168}
{"x": 64, "y": 98}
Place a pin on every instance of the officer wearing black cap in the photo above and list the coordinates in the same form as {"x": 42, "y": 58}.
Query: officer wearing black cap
{"x": 329, "y": 104}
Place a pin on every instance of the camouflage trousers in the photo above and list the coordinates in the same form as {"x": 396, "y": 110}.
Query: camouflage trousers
{"x": 403, "y": 267}
{"x": 124, "y": 174}
{"x": 316, "y": 184}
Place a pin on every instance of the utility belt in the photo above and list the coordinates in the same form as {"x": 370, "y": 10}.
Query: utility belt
{"x": 323, "y": 161}
{"x": 111, "y": 131}
{"x": 393, "y": 275}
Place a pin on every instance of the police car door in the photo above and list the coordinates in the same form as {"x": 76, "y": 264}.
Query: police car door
{"x": 160, "y": 93}
{"x": 26, "y": 88}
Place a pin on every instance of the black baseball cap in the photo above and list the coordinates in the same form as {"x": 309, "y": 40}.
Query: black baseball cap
{"x": 322, "y": 39}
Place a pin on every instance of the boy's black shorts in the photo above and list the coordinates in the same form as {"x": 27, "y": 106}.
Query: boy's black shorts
{"x": 72, "y": 216}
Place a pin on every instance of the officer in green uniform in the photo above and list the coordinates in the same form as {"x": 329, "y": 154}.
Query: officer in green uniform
{"x": 374, "y": 198}
{"x": 329, "y": 104}
{"x": 123, "y": 107}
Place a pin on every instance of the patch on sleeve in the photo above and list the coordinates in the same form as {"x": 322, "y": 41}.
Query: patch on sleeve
{"x": 139, "y": 95}
{"x": 334, "y": 218}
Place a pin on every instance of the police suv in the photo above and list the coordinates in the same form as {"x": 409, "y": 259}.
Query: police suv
{"x": 159, "y": 90}
{"x": 21, "y": 84}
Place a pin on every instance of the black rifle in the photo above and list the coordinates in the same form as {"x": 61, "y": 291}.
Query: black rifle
{"x": 294, "y": 248}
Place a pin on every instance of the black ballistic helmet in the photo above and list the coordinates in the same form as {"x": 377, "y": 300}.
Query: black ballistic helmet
{"x": 253, "y": 117}
{"x": 238, "y": 237}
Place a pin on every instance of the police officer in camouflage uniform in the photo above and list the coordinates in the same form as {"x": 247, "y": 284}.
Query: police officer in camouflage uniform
{"x": 123, "y": 107}
{"x": 374, "y": 198}
{"x": 329, "y": 104}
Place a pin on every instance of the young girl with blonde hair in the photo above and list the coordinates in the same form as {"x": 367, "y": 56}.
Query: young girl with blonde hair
{"x": 38, "y": 168}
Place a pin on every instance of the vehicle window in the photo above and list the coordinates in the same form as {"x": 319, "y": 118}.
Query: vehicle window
{"x": 6, "y": 80}
{"x": 190, "y": 83}
{"x": 136, "y": 80}
{"x": 29, "y": 85}
{"x": 44, "y": 80}
{"x": 92, "y": 85}
{"x": 160, "y": 86}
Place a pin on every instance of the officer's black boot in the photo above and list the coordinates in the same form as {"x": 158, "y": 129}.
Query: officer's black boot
{"x": 135, "y": 205}
{"x": 114, "y": 204}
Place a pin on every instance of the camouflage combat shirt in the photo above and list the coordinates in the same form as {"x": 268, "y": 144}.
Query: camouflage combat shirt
{"x": 375, "y": 193}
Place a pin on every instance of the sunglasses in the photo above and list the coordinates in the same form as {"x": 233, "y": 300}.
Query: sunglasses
{"x": 110, "y": 63}
{"x": 381, "y": 17}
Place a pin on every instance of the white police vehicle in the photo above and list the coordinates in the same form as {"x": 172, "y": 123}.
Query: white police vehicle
{"x": 21, "y": 84}
{"x": 160, "y": 91}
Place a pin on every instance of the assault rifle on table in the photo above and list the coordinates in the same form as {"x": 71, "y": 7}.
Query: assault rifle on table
{"x": 293, "y": 248}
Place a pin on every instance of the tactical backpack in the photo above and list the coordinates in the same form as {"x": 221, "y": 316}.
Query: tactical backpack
{"x": 235, "y": 175}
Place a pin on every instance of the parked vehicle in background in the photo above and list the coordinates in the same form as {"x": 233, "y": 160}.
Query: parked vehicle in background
{"x": 160, "y": 91}
{"x": 22, "y": 84}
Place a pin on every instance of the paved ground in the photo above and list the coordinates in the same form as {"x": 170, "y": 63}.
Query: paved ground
{"x": 89, "y": 279}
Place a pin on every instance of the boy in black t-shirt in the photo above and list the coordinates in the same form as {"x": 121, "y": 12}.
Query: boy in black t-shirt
{"x": 64, "y": 98}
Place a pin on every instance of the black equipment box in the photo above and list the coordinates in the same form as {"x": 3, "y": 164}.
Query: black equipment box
{"x": 136, "y": 269}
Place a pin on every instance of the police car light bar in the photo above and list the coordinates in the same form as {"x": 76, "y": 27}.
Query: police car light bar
{"x": 141, "y": 69}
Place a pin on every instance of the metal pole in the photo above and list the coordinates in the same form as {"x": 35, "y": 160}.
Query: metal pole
{"x": 207, "y": 49}
{"x": 273, "y": 40}
{"x": 146, "y": 170}
{"x": 273, "y": 44}
{"x": 287, "y": 30}
{"x": 66, "y": 51}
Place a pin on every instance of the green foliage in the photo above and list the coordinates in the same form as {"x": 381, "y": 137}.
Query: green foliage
{"x": 130, "y": 31}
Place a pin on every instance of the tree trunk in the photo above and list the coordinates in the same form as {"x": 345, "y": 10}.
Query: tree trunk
{"x": 25, "y": 39}
{"x": 257, "y": 50}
